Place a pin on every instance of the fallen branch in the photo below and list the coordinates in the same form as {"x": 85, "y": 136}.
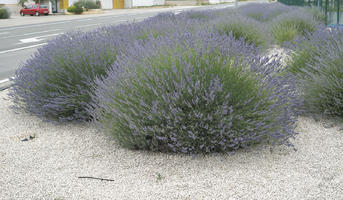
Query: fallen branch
{"x": 90, "y": 177}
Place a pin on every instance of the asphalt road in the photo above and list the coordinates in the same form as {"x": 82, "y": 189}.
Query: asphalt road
{"x": 18, "y": 43}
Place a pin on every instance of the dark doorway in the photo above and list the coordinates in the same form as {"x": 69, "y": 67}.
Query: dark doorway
{"x": 54, "y": 6}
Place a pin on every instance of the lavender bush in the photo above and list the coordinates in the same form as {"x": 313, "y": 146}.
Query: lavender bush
{"x": 164, "y": 24}
{"x": 204, "y": 15}
{"x": 322, "y": 75}
{"x": 194, "y": 93}
{"x": 306, "y": 49}
{"x": 288, "y": 26}
{"x": 55, "y": 82}
{"x": 251, "y": 31}
{"x": 263, "y": 11}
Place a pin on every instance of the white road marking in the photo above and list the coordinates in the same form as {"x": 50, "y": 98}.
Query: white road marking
{"x": 33, "y": 33}
{"x": 6, "y": 80}
{"x": 22, "y": 48}
{"x": 3, "y": 33}
{"x": 29, "y": 40}
{"x": 36, "y": 39}
{"x": 81, "y": 20}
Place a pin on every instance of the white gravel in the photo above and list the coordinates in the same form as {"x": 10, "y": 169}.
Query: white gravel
{"x": 48, "y": 166}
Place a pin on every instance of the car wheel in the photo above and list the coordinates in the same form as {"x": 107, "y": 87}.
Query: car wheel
{"x": 37, "y": 13}
{"x": 22, "y": 14}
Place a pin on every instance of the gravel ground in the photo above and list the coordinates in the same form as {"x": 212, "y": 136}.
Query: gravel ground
{"x": 48, "y": 165}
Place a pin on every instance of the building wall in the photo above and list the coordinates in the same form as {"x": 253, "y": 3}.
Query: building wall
{"x": 142, "y": 3}
{"x": 136, "y": 3}
{"x": 159, "y": 2}
{"x": 220, "y": 1}
{"x": 12, "y": 8}
{"x": 106, "y": 4}
{"x": 8, "y": 1}
{"x": 71, "y": 2}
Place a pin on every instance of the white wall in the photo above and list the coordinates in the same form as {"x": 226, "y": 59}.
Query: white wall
{"x": 159, "y": 2}
{"x": 134, "y": 3}
{"x": 106, "y": 4}
{"x": 220, "y": 1}
{"x": 8, "y": 1}
{"x": 71, "y": 2}
{"x": 142, "y": 3}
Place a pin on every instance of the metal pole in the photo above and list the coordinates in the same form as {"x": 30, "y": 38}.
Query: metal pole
{"x": 326, "y": 11}
{"x": 338, "y": 2}
{"x": 236, "y": 3}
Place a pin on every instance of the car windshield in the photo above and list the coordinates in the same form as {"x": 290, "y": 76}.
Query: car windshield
{"x": 44, "y": 6}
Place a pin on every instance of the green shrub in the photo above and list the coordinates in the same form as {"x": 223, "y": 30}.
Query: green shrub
{"x": 76, "y": 8}
{"x": 323, "y": 86}
{"x": 317, "y": 14}
{"x": 240, "y": 27}
{"x": 284, "y": 34}
{"x": 289, "y": 26}
{"x": 301, "y": 57}
{"x": 4, "y": 13}
{"x": 263, "y": 11}
{"x": 98, "y": 3}
{"x": 55, "y": 83}
{"x": 88, "y": 4}
{"x": 193, "y": 96}
{"x": 71, "y": 9}
{"x": 305, "y": 51}
{"x": 318, "y": 62}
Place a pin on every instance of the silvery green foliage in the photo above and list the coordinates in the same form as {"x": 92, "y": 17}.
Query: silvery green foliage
{"x": 55, "y": 82}
{"x": 195, "y": 93}
{"x": 263, "y": 11}
{"x": 304, "y": 50}
{"x": 203, "y": 15}
{"x": 322, "y": 76}
{"x": 241, "y": 27}
{"x": 296, "y": 23}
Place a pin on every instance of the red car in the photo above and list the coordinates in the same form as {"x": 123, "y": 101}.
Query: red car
{"x": 35, "y": 9}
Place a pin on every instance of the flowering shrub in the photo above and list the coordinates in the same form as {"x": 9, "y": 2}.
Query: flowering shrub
{"x": 317, "y": 14}
{"x": 287, "y": 26}
{"x": 55, "y": 82}
{"x": 161, "y": 24}
{"x": 322, "y": 76}
{"x": 262, "y": 11}
{"x": 251, "y": 31}
{"x": 168, "y": 23}
{"x": 306, "y": 49}
{"x": 194, "y": 93}
{"x": 203, "y": 15}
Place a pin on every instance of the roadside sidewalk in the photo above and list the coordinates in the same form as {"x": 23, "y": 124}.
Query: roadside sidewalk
{"x": 27, "y": 20}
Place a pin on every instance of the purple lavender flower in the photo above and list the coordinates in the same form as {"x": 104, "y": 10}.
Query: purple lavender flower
{"x": 195, "y": 92}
